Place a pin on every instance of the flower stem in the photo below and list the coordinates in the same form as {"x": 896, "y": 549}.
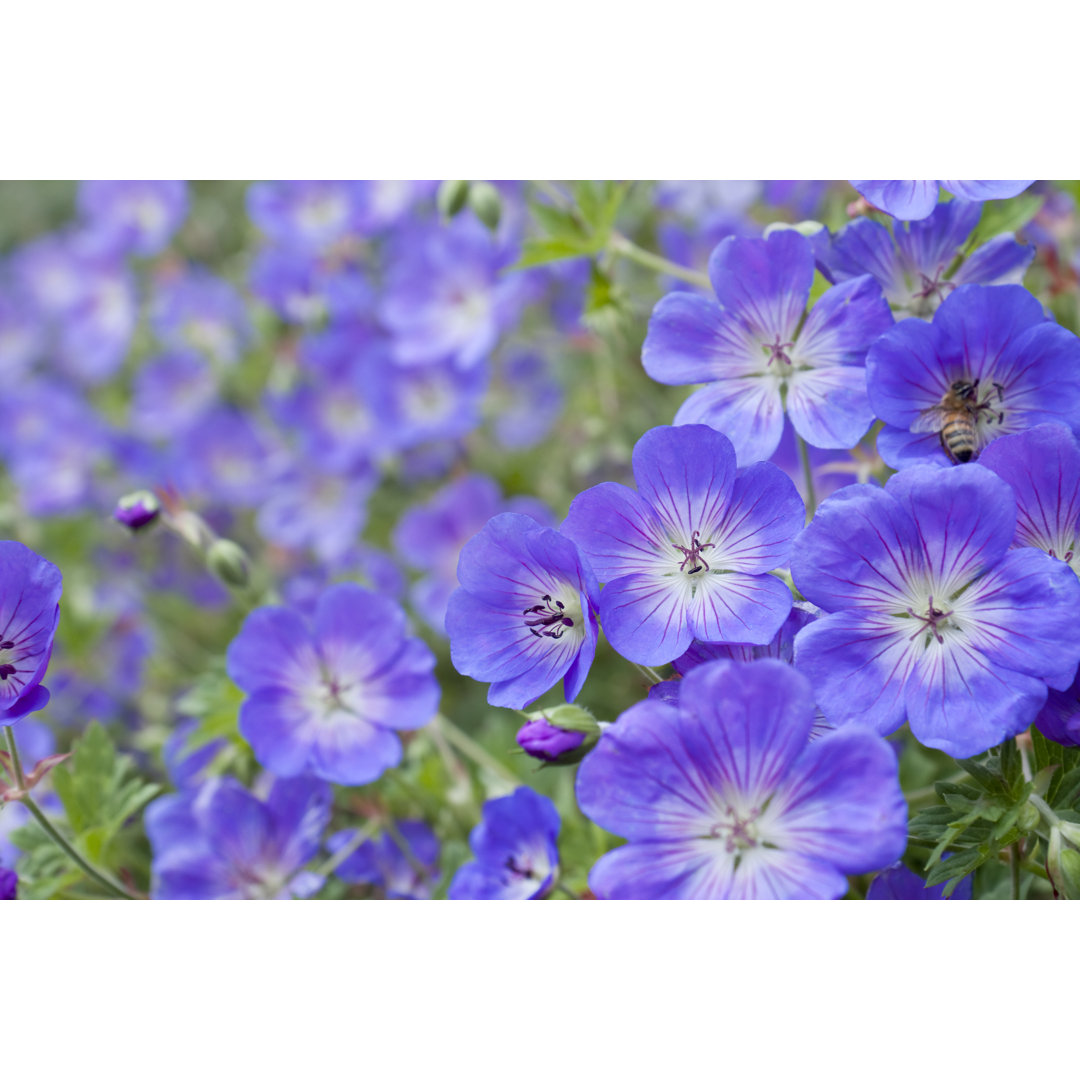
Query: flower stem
{"x": 106, "y": 881}
{"x": 473, "y": 750}
{"x": 651, "y": 674}
{"x": 343, "y": 852}
{"x": 620, "y": 245}
{"x": 808, "y": 477}
{"x": 1014, "y": 872}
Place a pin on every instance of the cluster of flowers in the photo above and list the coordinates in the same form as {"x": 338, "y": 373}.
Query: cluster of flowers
{"x": 758, "y": 767}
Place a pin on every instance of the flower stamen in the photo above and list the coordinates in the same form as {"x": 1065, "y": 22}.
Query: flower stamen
{"x": 554, "y": 619}
{"x": 693, "y": 554}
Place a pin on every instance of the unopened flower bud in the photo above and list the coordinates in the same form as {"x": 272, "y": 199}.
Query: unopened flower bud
{"x": 137, "y": 510}
{"x": 1063, "y": 863}
{"x": 564, "y": 734}
{"x": 229, "y": 562}
{"x": 486, "y": 203}
{"x": 542, "y": 740}
{"x": 452, "y": 196}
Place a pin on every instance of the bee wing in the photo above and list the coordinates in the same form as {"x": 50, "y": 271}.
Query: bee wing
{"x": 929, "y": 420}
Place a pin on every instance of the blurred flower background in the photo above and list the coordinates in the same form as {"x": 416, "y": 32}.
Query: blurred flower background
{"x": 292, "y": 385}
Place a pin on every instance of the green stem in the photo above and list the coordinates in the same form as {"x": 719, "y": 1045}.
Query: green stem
{"x": 474, "y": 751}
{"x": 106, "y": 881}
{"x": 651, "y": 674}
{"x": 808, "y": 477}
{"x": 1043, "y": 807}
{"x": 1014, "y": 872}
{"x": 343, "y": 852}
{"x": 16, "y": 764}
{"x": 620, "y": 245}
{"x": 403, "y": 846}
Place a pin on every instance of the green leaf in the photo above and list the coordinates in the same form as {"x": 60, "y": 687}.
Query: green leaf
{"x": 1004, "y": 216}
{"x": 955, "y": 867}
{"x": 540, "y": 252}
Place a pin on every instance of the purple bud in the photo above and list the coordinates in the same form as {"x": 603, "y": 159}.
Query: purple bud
{"x": 9, "y": 882}
{"x": 138, "y": 510}
{"x": 542, "y": 740}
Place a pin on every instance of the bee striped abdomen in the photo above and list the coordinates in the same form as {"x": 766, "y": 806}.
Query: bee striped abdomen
{"x": 958, "y": 437}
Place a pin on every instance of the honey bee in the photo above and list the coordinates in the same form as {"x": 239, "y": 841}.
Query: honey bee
{"x": 955, "y": 418}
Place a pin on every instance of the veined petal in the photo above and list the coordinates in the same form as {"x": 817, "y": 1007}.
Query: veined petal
{"x": 748, "y": 411}
{"x": 903, "y": 374}
{"x": 747, "y": 608}
{"x": 843, "y": 324}
{"x": 960, "y": 702}
{"x": 858, "y": 663}
{"x": 976, "y": 324}
{"x": 686, "y": 475}
{"x": 764, "y": 283}
{"x": 358, "y": 631}
{"x": 861, "y": 550}
{"x": 866, "y": 247}
{"x": 908, "y": 200}
{"x": 828, "y": 406}
{"x": 1001, "y": 261}
{"x": 273, "y": 648}
{"x": 643, "y": 782}
{"x": 1022, "y": 615}
{"x": 690, "y": 340}
{"x": 617, "y": 530}
{"x": 1042, "y": 466}
{"x": 900, "y": 448}
{"x": 843, "y": 803}
{"x": 1039, "y": 372}
{"x": 760, "y": 521}
{"x": 982, "y": 190}
{"x": 965, "y": 518}
{"x": 929, "y": 246}
{"x": 645, "y": 616}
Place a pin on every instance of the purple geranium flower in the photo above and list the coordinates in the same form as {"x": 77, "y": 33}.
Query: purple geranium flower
{"x": 900, "y": 883}
{"x": 992, "y": 345}
{"x": 200, "y": 311}
{"x": 327, "y": 696}
{"x": 227, "y": 458}
{"x": 933, "y": 619}
{"x": 221, "y": 842}
{"x": 688, "y": 554}
{"x": 726, "y": 798}
{"x": 307, "y": 215}
{"x": 9, "y": 884}
{"x": 523, "y": 617}
{"x": 172, "y": 393}
{"x": 446, "y": 295}
{"x": 763, "y": 355}
{"x": 402, "y": 874}
{"x": 913, "y": 200}
{"x": 516, "y": 850}
{"x": 914, "y": 263}
{"x": 314, "y": 508}
{"x": 29, "y": 610}
{"x": 139, "y": 216}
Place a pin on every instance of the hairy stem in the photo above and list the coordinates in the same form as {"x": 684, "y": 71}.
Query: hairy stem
{"x": 620, "y": 245}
